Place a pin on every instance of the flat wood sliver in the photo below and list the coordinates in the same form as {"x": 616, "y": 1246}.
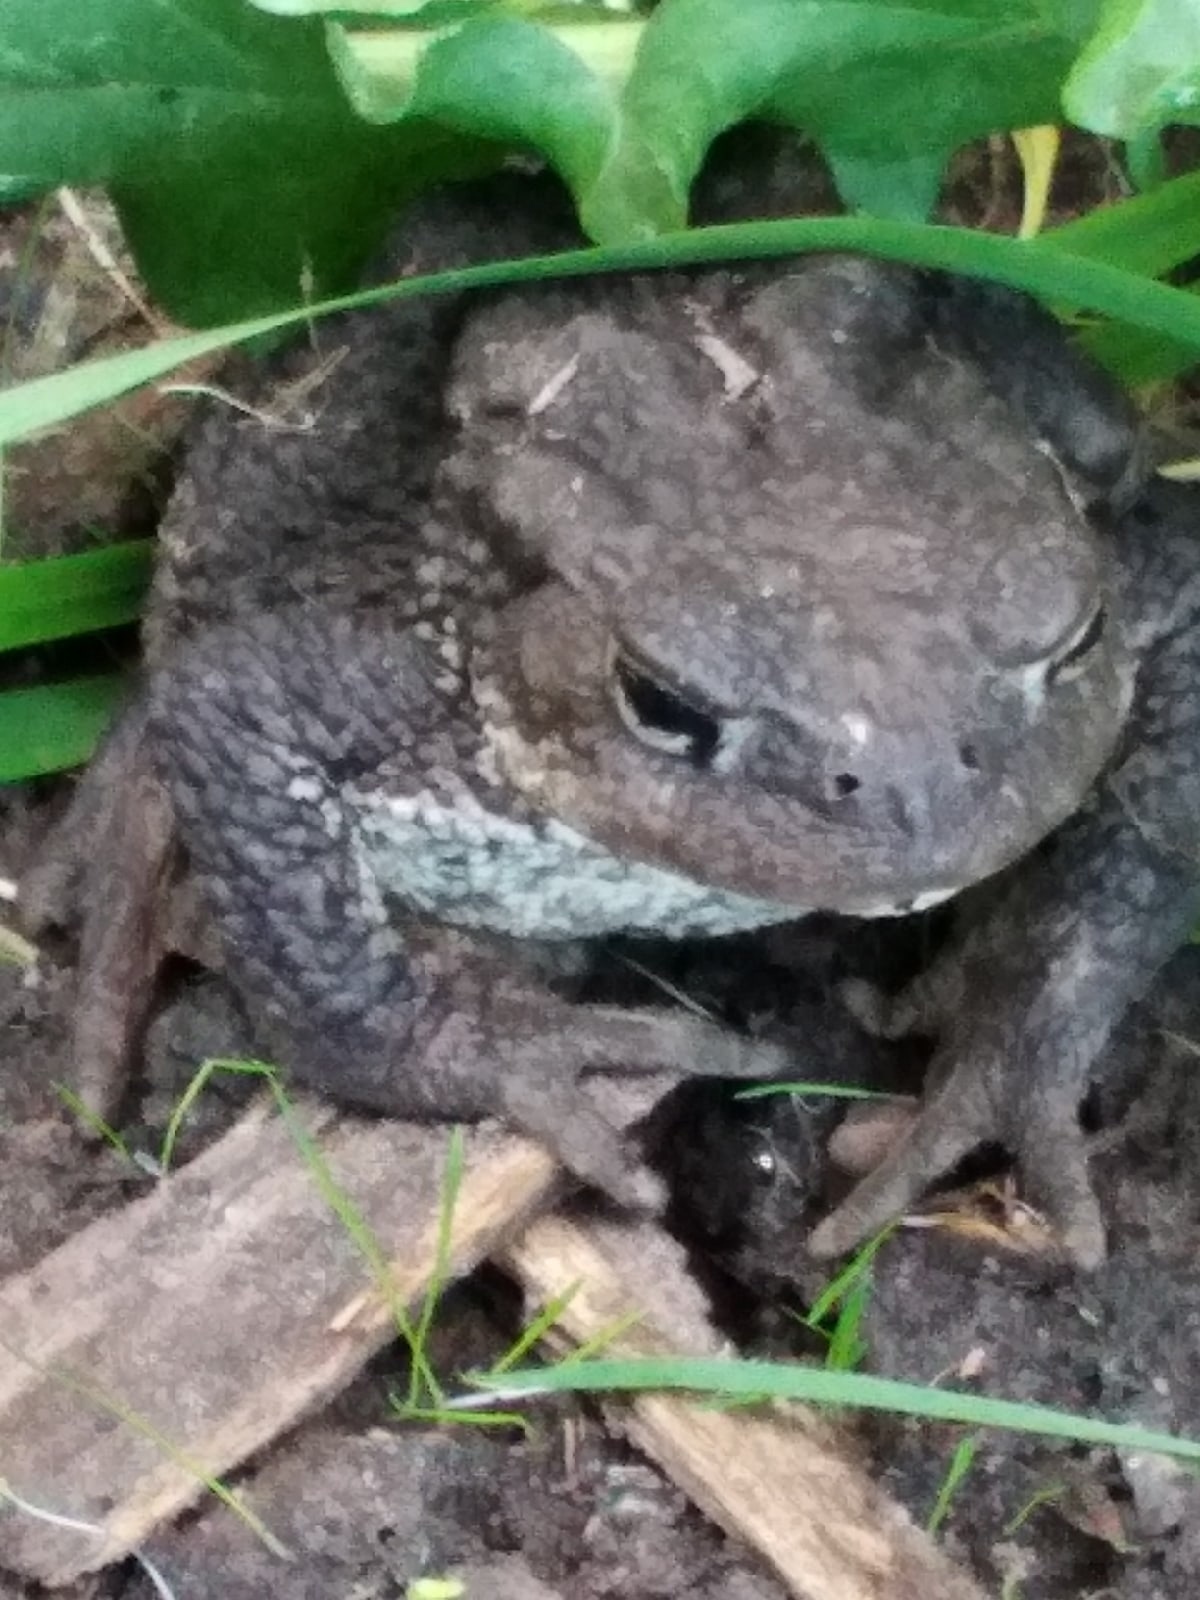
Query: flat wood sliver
{"x": 174, "y": 1338}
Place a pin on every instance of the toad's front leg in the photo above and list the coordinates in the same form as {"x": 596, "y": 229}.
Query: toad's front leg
{"x": 263, "y": 732}
{"x": 1023, "y": 1009}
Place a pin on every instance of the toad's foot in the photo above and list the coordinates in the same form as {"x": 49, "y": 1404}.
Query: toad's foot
{"x": 1022, "y": 1007}
{"x": 973, "y": 1106}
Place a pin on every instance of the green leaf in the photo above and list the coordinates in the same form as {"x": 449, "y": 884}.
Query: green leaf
{"x": 626, "y": 110}
{"x": 68, "y": 595}
{"x": 55, "y": 726}
{"x": 1136, "y": 356}
{"x": 1034, "y": 265}
{"x": 242, "y": 176}
{"x": 771, "y": 1380}
{"x": 905, "y": 188}
{"x": 14, "y": 191}
{"x": 499, "y": 79}
{"x": 1151, "y": 233}
{"x": 1146, "y": 160}
{"x": 426, "y": 11}
{"x": 874, "y": 81}
{"x": 1140, "y": 71}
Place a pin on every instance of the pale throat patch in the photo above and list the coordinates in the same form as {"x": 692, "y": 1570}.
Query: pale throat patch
{"x": 473, "y": 868}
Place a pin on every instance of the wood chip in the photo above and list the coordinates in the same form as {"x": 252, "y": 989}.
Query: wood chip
{"x": 179, "y": 1336}
{"x": 183, "y": 1333}
{"x": 781, "y": 1479}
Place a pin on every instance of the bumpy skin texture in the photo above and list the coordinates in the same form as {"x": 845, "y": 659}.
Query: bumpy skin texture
{"x": 680, "y": 604}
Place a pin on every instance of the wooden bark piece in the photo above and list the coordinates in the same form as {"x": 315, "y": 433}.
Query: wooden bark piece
{"x": 217, "y": 1310}
{"x": 223, "y": 1306}
{"x": 779, "y": 1478}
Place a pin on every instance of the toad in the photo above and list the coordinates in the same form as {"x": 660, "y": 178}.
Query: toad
{"x": 675, "y": 604}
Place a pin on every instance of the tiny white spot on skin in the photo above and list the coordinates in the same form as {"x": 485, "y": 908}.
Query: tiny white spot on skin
{"x": 8, "y": 889}
{"x": 857, "y": 726}
{"x": 304, "y": 788}
{"x": 839, "y": 335}
{"x": 552, "y": 388}
{"x": 1033, "y": 683}
{"x": 432, "y": 570}
{"x": 920, "y": 902}
{"x": 931, "y": 898}
{"x": 737, "y": 375}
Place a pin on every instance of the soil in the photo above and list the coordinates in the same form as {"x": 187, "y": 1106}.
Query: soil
{"x": 366, "y": 1507}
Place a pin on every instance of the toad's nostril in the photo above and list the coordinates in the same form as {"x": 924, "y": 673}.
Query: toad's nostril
{"x": 845, "y": 783}
{"x": 969, "y": 756}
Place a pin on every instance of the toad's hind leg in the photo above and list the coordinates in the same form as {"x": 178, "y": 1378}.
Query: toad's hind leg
{"x": 106, "y": 871}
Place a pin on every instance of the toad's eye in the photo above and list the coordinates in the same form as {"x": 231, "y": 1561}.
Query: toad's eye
{"x": 1078, "y": 647}
{"x": 659, "y": 715}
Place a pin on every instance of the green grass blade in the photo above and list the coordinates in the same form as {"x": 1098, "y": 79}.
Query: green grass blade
{"x": 440, "y": 1275}
{"x": 838, "y": 1287}
{"x": 93, "y": 1122}
{"x": 1038, "y": 266}
{"x": 1151, "y": 233}
{"x": 847, "y": 1348}
{"x": 961, "y": 1463}
{"x": 535, "y": 1331}
{"x": 1137, "y": 356}
{"x": 860, "y": 1391}
{"x": 68, "y": 595}
{"x": 55, "y": 726}
{"x": 180, "y": 1111}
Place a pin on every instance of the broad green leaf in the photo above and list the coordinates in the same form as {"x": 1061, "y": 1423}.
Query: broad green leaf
{"x": 420, "y": 13}
{"x": 876, "y": 80}
{"x": 1146, "y": 160}
{"x": 68, "y": 595}
{"x": 500, "y": 79}
{"x": 14, "y": 191}
{"x": 55, "y": 726}
{"x": 242, "y": 176}
{"x": 627, "y": 110}
{"x": 434, "y": 13}
{"x": 1037, "y": 266}
{"x": 428, "y": 12}
{"x": 1140, "y": 70}
{"x": 905, "y": 188}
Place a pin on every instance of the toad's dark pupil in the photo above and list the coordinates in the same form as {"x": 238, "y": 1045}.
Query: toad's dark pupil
{"x": 663, "y": 711}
